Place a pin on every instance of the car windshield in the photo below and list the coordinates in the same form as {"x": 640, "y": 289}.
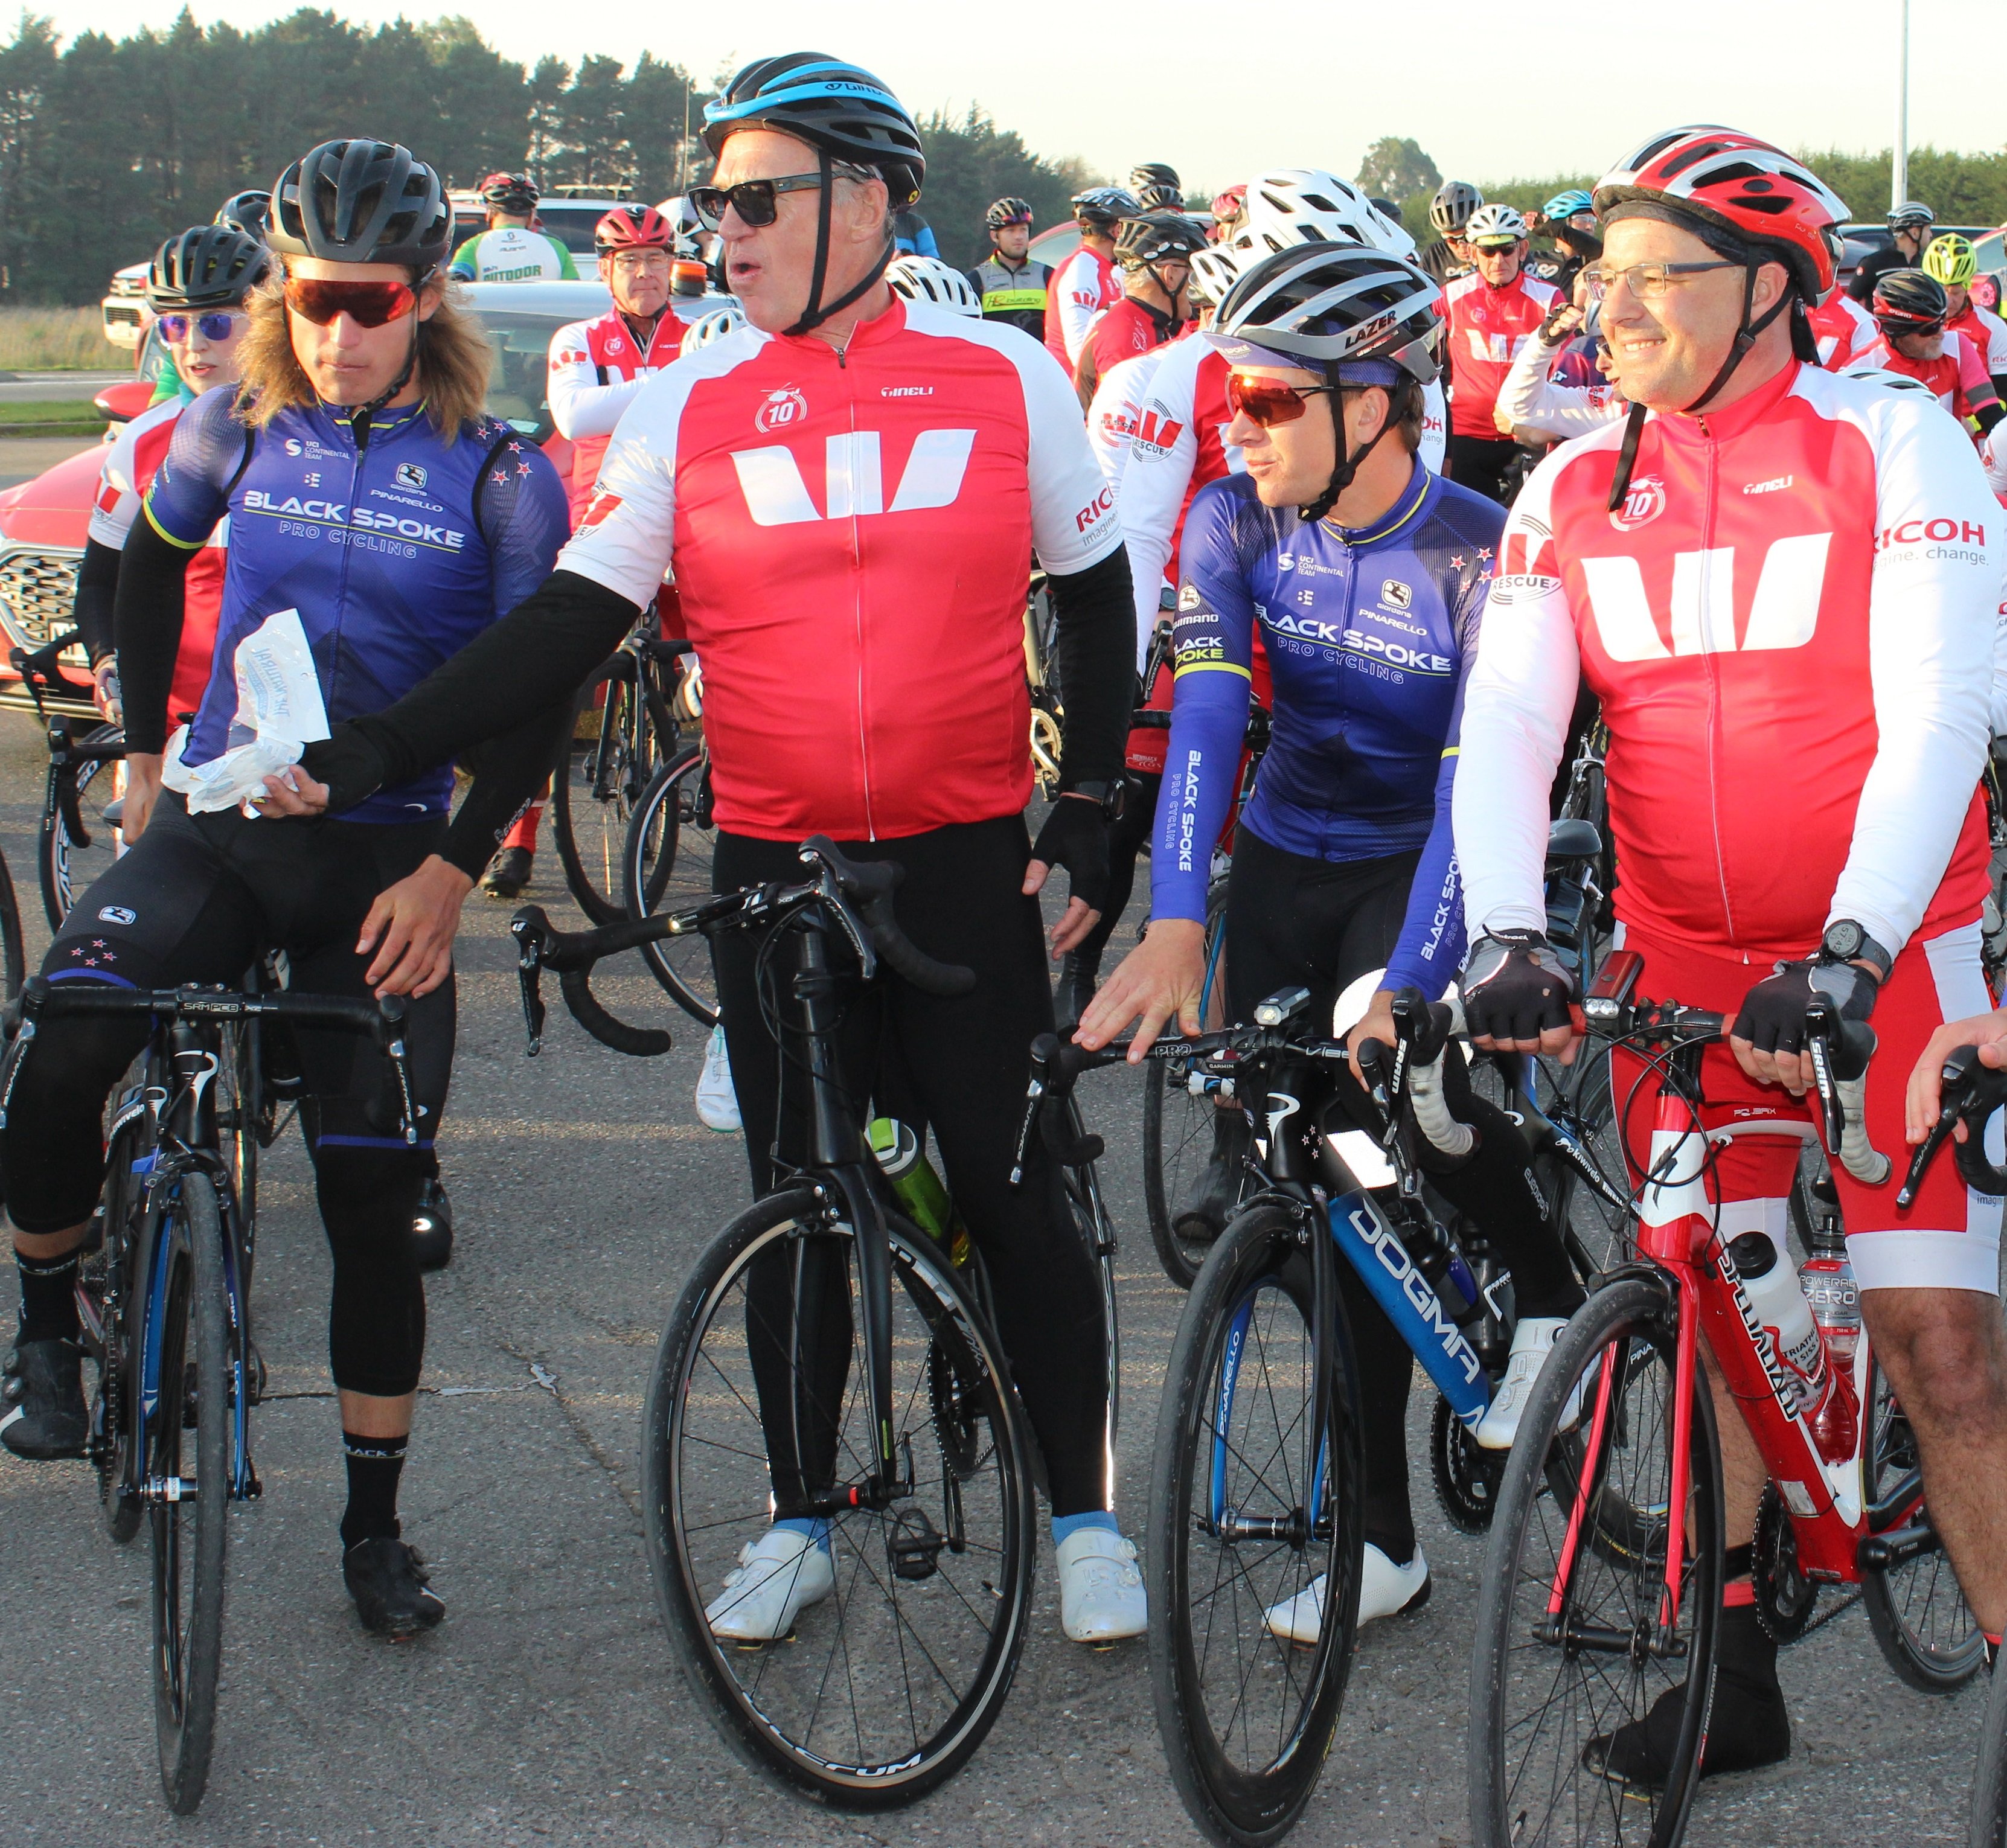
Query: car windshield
{"x": 518, "y": 388}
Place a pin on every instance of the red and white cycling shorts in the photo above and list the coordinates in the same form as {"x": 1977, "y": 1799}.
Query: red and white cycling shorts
{"x": 1949, "y": 1238}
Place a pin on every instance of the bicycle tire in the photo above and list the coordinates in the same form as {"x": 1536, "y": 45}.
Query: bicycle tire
{"x": 1987, "y": 1825}
{"x": 1628, "y": 1318}
{"x": 65, "y": 873}
{"x": 1917, "y": 1612}
{"x": 1091, "y": 1219}
{"x": 675, "y": 1453}
{"x": 13, "y": 945}
{"x": 665, "y": 859}
{"x": 1255, "y": 1800}
{"x": 591, "y": 802}
{"x": 187, "y": 1646}
{"x": 122, "y": 1511}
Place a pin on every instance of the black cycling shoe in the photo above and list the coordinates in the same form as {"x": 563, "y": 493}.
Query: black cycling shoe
{"x": 45, "y": 1416}
{"x": 508, "y": 872}
{"x": 1079, "y": 971}
{"x": 1204, "y": 1213}
{"x": 431, "y": 1226}
{"x": 1748, "y": 1728}
{"x": 388, "y": 1580}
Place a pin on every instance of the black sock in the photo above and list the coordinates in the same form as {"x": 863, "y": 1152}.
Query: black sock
{"x": 374, "y": 1465}
{"x": 48, "y": 1297}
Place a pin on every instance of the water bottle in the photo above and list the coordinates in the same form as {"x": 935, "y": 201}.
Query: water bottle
{"x": 1824, "y": 1397}
{"x": 917, "y": 1187}
{"x": 1827, "y": 1281}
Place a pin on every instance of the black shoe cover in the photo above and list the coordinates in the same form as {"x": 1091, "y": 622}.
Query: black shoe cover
{"x": 43, "y": 1415}
{"x": 388, "y": 1580}
{"x": 1204, "y": 1214}
{"x": 508, "y": 872}
{"x": 1748, "y": 1728}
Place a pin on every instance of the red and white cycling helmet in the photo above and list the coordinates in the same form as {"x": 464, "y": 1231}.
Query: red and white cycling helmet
{"x": 1723, "y": 177}
{"x": 632, "y": 228}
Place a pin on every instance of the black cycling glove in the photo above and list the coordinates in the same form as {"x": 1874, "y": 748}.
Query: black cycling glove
{"x": 1515, "y": 988}
{"x": 1772, "y": 1019}
{"x": 1075, "y": 836}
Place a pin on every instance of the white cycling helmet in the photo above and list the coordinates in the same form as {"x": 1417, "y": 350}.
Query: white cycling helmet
{"x": 1305, "y": 205}
{"x": 928, "y": 279}
{"x": 713, "y": 326}
{"x": 1881, "y": 375}
{"x": 1495, "y": 222}
{"x": 1214, "y": 269}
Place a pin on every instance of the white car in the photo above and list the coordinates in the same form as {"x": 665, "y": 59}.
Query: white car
{"x": 125, "y": 308}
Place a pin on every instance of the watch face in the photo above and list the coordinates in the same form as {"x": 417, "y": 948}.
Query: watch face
{"x": 1844, "y": 938}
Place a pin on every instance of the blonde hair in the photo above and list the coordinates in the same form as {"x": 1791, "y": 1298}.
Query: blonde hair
{"x": 453, "y": 365}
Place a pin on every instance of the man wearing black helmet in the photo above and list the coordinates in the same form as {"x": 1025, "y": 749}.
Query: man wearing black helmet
{"x": 377, "y": 519}
{"x": 1085, "y": 286}
{"x": 510, "y": 250}
{"x": 1153, "y": 252}
{"x": 873, "y": 476}
{"x": 1448, "y": 256}
{"x": 245, "y": 212}
{"x": 1011, "y": 283}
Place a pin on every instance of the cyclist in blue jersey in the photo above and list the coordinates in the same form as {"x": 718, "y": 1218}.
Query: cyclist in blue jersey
{"x": 378, "y": 522}
{"x": 1366, "y": 575}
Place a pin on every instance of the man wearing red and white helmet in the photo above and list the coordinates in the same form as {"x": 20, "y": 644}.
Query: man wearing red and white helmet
{"x": 1782, "y": 585}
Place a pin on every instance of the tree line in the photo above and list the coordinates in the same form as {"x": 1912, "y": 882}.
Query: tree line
{"x": 108, "y": 145}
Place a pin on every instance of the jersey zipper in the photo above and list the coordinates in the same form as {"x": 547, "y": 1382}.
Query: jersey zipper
{"x": 1711, "y": 453}
{"x": 857, "y": 604}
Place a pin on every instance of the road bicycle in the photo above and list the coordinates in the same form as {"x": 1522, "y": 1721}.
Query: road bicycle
{"x": 69, "y": 852}
{"x": 1602, "y": 1586}
{"x": 166, "y": 1304}
{"x": 665, "y": 862}
{"x": 828, "y": 1361}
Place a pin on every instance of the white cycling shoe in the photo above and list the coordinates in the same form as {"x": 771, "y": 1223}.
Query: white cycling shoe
{"x": 1385, "y": 1590}
{"x": 1531, "y": 1340}
{"x": 1101, "y": 1598}
{"x": 777, "y": 1576}
{"x": 716, "y": 1102}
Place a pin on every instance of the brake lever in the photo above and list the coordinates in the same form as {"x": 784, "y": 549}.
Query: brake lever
{"x": 528, "y": 927}
{"x": 1955, "y": 1086}
{"x": 1042, "y": 1049}
{"x": 1819, "y": 1026}
{"x": 391, "y": 1009}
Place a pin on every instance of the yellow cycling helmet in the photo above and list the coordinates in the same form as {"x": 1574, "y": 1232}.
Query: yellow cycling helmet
{"x": 1951, "y": 261}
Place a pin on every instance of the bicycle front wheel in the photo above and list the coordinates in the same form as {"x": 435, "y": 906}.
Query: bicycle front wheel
{"x": 1572, "y": 1639}
{"x": 598, "y": 782}
{"x": 77, "y": 844}
{"x": 665, "y": 866}
{"x": 189, "y": 1368}
{"x": 888, "y": 1681}
{"x": 1987, "y": 1827}
{"x": 13, "y": 945}
{"x": 1255, "y": 1539}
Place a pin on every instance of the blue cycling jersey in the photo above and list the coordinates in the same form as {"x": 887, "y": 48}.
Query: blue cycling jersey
{"x": 396, "y": 553}
{"x": 1371, "y": 634}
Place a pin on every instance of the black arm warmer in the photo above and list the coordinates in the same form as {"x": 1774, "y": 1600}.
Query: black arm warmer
{"x": 507, "y": 772}
{"x": 1095, "y": 613}
{"x": 147, "y": 623}
{"x": 502, "y": 680}
{"x": 96, "y": 584}
{"x": 1585, "y": 244}
{"x": 1987, "y": 418}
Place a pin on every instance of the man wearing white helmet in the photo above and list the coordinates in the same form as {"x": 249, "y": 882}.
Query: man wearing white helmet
{"x": 1492, "y": 313}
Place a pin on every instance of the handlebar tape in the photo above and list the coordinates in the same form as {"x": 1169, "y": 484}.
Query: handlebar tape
{"x": 636, "y": 1042}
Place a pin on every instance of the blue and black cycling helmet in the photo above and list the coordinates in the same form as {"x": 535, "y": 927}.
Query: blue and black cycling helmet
{"x": 361, "y": 202}
{"x": 836, "y": 108}
{"x": 209, "y": 266}
{"x": 1565, "y": 205}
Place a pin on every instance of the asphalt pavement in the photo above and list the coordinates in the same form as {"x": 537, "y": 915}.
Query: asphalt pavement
{"x": 22, "y": 458}
{"x": 548, "y": 1708}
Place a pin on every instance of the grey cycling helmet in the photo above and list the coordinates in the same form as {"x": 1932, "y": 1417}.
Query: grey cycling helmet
{"x": 209, "y": 266}
{"x": 247, "y": 211}
{"x": 1450, "y": 210}
{"x": 713, "y": 326}
{"x": 361, "y": 202}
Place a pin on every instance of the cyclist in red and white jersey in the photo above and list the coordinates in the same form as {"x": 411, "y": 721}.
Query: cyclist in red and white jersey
{"x": 1782, "y": 586}
{"x": 196, "y": 290}
{"x": 1491, "y": 313}
{"x": 1841, "y": 329}
{"x": 1153, "y": 251}
{"x": 1952, "y": 261}
{"x": 850, "y": 489}
{"x": 1910, "y": 310}
{"x": 1085, "y": 284}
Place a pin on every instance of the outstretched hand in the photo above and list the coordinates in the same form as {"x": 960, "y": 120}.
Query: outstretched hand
{"x": 411, "y": 927}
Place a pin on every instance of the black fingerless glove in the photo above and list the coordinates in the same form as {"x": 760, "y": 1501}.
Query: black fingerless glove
{"x": 1075, "y": 836}
{"x": 1772, "y": 1019}
{"x": 1515, "y": 988}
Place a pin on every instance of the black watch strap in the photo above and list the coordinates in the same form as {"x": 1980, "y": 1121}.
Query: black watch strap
{"x": 1108, "y": 793}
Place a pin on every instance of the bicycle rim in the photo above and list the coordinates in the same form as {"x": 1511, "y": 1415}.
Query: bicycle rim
{"x": 666, "y": 866}
{"x": 1919, "y": 1616}
{"x": 597, "y": 788}
{"x": 1551, "y": 1680}
{"x": 883, "y": 1688}
{"x": 190, "y": 1384}
{"x": 1249, "y": 1511}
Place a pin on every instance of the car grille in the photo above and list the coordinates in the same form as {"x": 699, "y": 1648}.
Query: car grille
{"x": 128, "y": 316}
{"x": 38, "y": 593}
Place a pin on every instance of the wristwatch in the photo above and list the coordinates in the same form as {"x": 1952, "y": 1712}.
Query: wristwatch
{"x": 1847, "y": 941}
{"x": 1109, "y": 792}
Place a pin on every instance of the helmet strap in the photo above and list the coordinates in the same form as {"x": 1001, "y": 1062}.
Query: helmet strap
{"x": 1627, "y": 457}
{"x": 359, "y": 418}
{"x": 1341, "y": 476}
{"x": 816, "y": 313}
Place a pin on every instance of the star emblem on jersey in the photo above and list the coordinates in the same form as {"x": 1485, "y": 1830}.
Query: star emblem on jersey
{"x": 782, "y": 407}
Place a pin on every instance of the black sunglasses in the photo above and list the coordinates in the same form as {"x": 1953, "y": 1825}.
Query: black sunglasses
{"x": 758, "y": 202}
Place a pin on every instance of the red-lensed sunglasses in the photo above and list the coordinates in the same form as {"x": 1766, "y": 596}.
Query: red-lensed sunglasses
{"x": 368, "y": 304}
{"x": 1268, "y": 401}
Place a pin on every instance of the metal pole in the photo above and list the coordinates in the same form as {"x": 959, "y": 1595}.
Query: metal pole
{"x": 1898, "y": 167}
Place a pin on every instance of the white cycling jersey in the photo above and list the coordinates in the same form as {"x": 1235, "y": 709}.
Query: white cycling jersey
{"x": 1117, "y": 409}
{"x": 1533, "y": 399}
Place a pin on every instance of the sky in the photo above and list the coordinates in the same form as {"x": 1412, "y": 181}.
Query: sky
{"x": 1491, "y": 91}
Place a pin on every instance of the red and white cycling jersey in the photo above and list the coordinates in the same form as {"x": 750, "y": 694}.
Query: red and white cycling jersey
{"x": 850, "y": 534}
{"x": 1842, "y": 328}
{"x": 1125, "y": 330}
{"x": 1081, "y": 287}
{"x": 1116, "y": 414}
{"x": 1956, "y": 374}
{"x": 1988, "y": 335}
{"x": 596, "y": 371}
{"x": 1790, "y": 623}
{"x": 1487, "y": 327}
{"x": 123, "y": 482}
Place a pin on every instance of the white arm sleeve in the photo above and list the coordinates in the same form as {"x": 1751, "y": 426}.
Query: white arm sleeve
{"x": 627, "y": 533}
{"x": 1079, "y": 286}
{"x": 1933, "y": 608}
{"x": 580, "y": 406}
{"x": 1074, "y": 523}
{"x": 1533, "y": 399}
{"x": 1155, "y": 480}
{"x": 1515, "y": 716}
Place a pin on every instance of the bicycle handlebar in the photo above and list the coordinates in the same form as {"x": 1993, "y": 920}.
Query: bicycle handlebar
{"x": 1969, "y": 1093}
{"x": 42, "y": 668}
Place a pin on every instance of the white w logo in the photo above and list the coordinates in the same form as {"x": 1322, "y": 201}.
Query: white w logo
{"x": 1782, "y": 614}
{"x": 1493, "y": 349}
{"x": 853, "y": 481}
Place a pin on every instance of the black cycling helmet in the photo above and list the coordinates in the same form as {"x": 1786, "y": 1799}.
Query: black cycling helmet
{"x": 1150, "y": 237}
{"x": 209, "y": 266}
{"x": 1910, "y": 301}
{"x": 361, "y": 202}
{"x": 1007, "y": 212}
{"x": 509, "y": 193}
{"x": 1104, "y": 207}
{"x": 1388, "y": 208}
{"x": 1450, "y": 210}
{"x": 1154, "y": 176}
{"x": 838, "y": 109}
{"x": 247, "y": 211}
